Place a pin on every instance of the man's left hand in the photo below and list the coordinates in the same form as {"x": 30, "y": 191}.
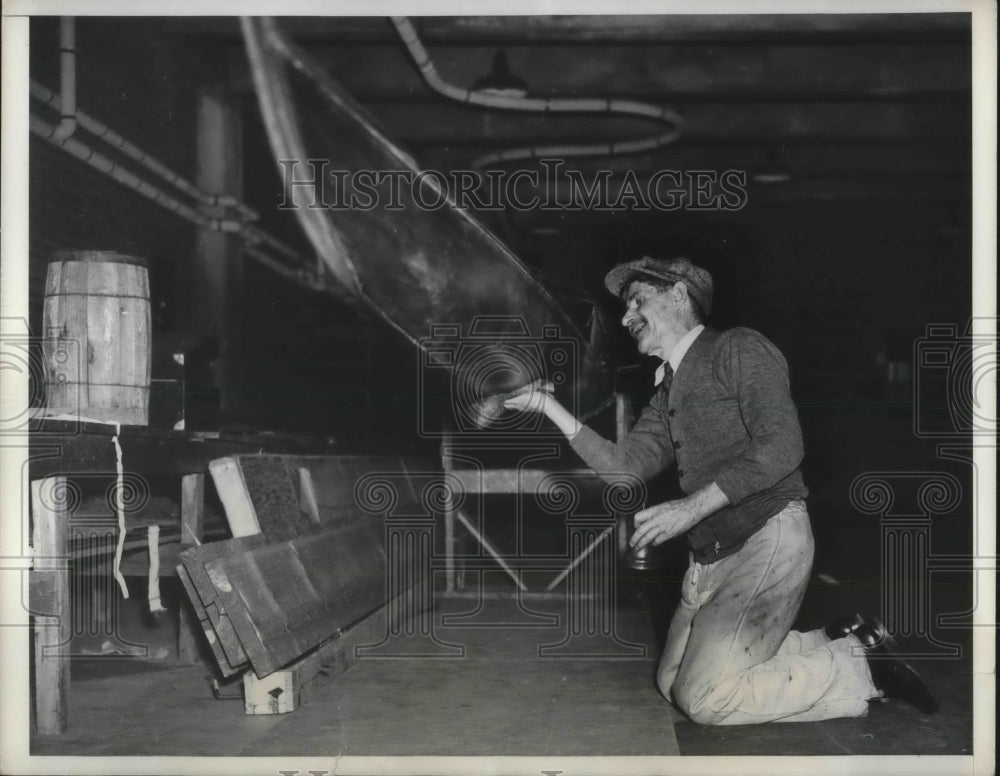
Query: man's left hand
{"x": 659, "y": 523}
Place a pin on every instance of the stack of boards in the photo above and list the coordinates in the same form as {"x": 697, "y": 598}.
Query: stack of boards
{"x": 303, "y": 581}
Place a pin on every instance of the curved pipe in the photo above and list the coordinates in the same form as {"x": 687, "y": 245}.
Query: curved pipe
{"x": 67, "y": 77}
{"x": 608, "y": 107}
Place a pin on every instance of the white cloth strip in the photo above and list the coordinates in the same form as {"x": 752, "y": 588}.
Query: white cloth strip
{"x": 120, "y": 506}
{"x": 153, "y": 539}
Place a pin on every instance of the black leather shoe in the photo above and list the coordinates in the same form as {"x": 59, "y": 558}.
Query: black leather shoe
{"x": 890, "y": 674}
{"x": 843, "y": 626}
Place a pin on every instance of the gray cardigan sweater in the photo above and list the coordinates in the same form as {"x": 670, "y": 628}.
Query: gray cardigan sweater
{"x": 729, "y": 419}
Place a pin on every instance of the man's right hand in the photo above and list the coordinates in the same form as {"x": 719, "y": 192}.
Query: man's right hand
{"x": 531, "y": 398}
{"x": 538, "y": 397}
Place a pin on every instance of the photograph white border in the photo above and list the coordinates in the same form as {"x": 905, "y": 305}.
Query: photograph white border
{"x": 14, "y": 647}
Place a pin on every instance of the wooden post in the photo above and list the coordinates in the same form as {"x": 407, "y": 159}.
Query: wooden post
{"x": 449, "y": 543}
{"x": 192, "y": 528}
{"x": 215, "y": 281}
{"x": 623, "y": 424}
{"x": 623, "y": 415}
{"x": 50, "y": 600}
{"x": 449, "y": 521}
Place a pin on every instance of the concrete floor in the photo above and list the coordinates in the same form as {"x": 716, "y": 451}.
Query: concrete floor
{"x": 498, "y": 698}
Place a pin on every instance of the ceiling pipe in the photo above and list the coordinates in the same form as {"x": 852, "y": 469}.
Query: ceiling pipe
{"x": 98, "y": 161}
{"x": 604, "y": 107}
{"x": 67, "y": 77}
{"x": 251, "y": 235}
{"x": 112, "y": 138}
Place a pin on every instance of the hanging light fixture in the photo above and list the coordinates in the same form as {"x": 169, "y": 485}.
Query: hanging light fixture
{"x": 500, "y": 80}
{"x": 772, "y": 170}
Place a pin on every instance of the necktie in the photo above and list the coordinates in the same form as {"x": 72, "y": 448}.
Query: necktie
{"x": 668, "y": 378}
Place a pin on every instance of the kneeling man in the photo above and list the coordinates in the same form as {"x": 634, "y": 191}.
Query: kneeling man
{"x": 723, "y": 415}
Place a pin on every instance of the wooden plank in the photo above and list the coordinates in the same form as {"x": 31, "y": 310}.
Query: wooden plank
{"x": 50, "y": 602}
{"x": 220, "y": 618}
{"x": 232, "y": 488}
{"x": 307, "y": 494}
{"x": 192, "y": 509}
{"x": 260, "y": 496}
{"x": 272, "y": 492}
{"x": 227, "y": 613}
{"x": 513, "y": 481}
{"x": 287, "y": 689}
{"x": 271, "y": 600}
{"x": 241, "y": 590}
{"x": 194, "y": 560}
{"x": 137, "y": 564}
{"x": 335, "y": 477}
{"x": 293, "y": 595}
{"x": 192, "y": 528}
{"x": 200, "y": 617}
{"x": 60, "y": 447}
{"x": 223, "y": 625}
{"x": 276, "y": 489}
{"x": 360, "y": 551}
{"x": 333, "y": 482}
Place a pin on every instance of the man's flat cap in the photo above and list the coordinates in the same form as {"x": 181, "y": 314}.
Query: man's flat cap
{"x": 698, "y": 280}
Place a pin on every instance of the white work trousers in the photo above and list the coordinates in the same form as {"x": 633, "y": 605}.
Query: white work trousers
{"x": 730, "y": 658}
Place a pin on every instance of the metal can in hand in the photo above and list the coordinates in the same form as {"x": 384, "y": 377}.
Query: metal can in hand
{"x": 641, "y": 558}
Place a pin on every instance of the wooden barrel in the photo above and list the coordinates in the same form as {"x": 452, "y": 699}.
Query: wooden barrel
{"x": 97, "y": 341}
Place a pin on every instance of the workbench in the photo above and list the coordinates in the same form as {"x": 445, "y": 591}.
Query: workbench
{"x": 63, "y": 449}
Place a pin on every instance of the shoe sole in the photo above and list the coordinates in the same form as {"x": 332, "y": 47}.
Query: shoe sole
{"x": 885, "y": 639}
{"x": 882, "y": 635}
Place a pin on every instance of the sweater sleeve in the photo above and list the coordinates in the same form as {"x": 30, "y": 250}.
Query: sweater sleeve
{"x": 753, "y": 368}
{"x": 644, "y": 452}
